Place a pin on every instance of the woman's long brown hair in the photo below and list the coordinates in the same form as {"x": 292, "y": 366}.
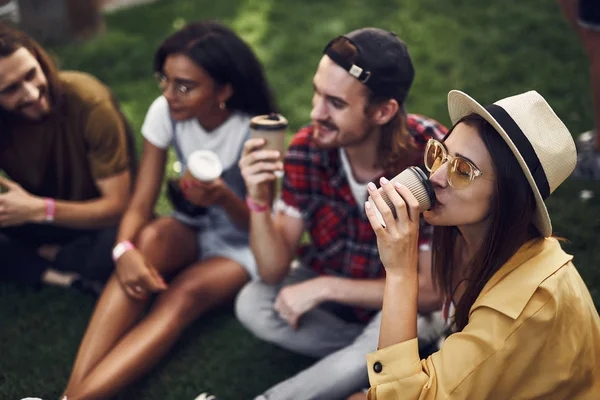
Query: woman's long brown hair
{"x": 511, "y": 225}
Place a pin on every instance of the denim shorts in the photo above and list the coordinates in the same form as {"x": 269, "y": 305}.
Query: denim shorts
{"x": 217, "y": 237}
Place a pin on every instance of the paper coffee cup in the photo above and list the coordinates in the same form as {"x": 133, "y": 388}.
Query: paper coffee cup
{"x": 203, "y": 165}
{"x": 419, "y": 185}
{"x": 272, "y": 128}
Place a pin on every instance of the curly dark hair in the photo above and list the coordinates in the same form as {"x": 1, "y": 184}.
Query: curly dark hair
{"x": 227, "y": 59}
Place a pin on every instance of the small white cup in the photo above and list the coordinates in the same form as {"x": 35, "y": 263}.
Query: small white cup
{"x": 204, "y": 165}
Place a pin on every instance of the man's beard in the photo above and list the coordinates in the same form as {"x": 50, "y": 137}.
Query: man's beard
{"x": 339, "y": 141}
{"x": 21, "y": 113}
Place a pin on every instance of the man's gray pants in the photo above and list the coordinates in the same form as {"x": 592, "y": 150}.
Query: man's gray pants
{"x": 341, "y": 346}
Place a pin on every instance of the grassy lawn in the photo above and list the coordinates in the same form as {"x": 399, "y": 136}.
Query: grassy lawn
{"x": 490, "y": 51}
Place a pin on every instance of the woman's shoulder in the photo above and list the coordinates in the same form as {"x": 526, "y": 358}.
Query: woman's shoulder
{"x": 518, "y": 281}
{"x": 159, "y": 107}
{"x": 157, "y": 124}
{"x": 234, "y": 130}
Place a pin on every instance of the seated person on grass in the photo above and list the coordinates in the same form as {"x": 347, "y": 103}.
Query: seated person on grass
{"x": 525, "y": 323}
{"x": 329, "y": 306}
{"x": 192, "y": 261}
{"x": 69, "y": 157}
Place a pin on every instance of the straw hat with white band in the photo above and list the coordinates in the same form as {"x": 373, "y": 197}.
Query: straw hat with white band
{"x": 539, "y": 140}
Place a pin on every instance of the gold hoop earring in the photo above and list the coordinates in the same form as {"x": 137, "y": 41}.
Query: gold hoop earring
{"x": 222, "y": 105}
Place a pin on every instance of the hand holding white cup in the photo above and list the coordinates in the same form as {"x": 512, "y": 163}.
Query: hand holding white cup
{"x": 204, "y": 166}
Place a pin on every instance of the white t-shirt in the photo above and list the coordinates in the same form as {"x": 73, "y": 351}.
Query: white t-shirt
{"x": 226, "y": 140}
{"x": 359, "y": 190}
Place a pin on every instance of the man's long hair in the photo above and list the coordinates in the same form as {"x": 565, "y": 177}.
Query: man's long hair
{"x": 12, "y": 40}
{"x": 396, "y": 147}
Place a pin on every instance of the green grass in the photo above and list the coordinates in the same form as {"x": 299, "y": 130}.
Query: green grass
{"x": 490, "y": 51}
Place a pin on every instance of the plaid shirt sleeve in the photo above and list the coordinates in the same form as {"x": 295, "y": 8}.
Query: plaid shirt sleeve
{"x": 295, "y": 189}
{"x": 423, "y": 128}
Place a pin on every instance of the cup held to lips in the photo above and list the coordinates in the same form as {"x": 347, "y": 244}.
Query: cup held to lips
{"x": 272, "y": 128}
{"x": 419, "y": 185}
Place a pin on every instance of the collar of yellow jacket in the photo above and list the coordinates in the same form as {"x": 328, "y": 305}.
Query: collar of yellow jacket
{"x": 511, "y": 288}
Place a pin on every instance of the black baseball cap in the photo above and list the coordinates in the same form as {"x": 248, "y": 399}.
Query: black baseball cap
{"x": 382, "y": 63}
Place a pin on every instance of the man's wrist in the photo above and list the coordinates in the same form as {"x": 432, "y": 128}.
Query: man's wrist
{"x": 325, "y": 288}
{"x": 44, "y": 210}
{"x": 50, "y": 209}
{"x": 256, "y": 206}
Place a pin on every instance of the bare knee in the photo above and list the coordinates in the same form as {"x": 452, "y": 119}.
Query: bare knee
{"x": 151, "y": 235}
{"x": 247, "y": 303}
{"x": 158, "y": 240}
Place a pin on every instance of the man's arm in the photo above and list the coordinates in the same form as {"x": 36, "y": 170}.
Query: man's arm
{"x": 364, "y": 293}
{"x": 274, "y": 241}
{"x": 18, "y": 207}
{"x": 368, "y": 293}
{"x": 98, "y": 213}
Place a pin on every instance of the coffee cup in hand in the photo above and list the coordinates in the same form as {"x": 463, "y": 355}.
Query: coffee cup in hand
{"x": 204, "y": 166}
{"x": 419, "y": 185}
{"x": 272, "y": 128}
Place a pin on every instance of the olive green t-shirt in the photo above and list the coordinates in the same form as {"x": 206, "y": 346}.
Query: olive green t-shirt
{"x": 82, "y": 140}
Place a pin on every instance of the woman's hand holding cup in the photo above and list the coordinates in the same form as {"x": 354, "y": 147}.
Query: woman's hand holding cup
{"x": 397, "y": 241}
{"x": 202, "y": 184}
{"x": 203, "y": 194}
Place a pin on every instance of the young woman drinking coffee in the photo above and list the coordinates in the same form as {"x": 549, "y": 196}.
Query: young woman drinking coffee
{"x": 525, "y": 323}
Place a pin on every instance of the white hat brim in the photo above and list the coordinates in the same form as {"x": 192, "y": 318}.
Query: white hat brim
{"x": 460, "y": 105}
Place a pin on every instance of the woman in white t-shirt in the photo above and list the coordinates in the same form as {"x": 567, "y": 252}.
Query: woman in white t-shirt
{"x": 212, "y": 85}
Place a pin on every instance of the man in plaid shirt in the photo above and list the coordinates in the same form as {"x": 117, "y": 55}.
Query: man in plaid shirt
{"x": 329, "y": 306}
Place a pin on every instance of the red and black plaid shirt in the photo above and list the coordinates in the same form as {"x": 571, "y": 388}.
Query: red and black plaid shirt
{"x": 342, "y": 241}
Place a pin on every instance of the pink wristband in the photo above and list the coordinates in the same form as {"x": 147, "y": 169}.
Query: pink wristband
{"x": 50, "y": 209}
{"x": 253, "y": 206}
{"x": 121, "y": 248}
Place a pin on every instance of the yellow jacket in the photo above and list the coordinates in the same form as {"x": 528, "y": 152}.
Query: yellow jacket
{"x": 532, "y": 333}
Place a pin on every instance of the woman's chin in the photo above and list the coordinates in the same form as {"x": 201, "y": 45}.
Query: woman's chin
{"x": 434, "y": 217}
{"x": 180, "y": 115}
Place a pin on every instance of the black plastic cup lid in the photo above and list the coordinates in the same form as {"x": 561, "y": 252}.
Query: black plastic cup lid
{"x": 270, "y": 122}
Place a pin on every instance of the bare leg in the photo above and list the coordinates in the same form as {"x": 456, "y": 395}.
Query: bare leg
{"x": 195, "y": 290}
{"x": 115, "y": 312}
